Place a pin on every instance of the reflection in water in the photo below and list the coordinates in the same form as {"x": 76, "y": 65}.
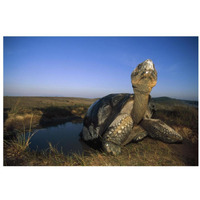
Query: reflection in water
{"x": 64, "y": 137}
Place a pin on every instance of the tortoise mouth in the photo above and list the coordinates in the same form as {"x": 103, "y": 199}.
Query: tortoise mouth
{"x": 144, "y": 76}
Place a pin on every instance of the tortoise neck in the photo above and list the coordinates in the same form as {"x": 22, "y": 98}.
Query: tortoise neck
{"x": 141, "y": 100}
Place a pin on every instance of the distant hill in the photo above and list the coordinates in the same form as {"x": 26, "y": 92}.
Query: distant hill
{"x": 172, "y": 101}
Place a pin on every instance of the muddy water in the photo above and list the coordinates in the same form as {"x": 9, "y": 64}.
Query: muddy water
{"x": 64, "y": 137}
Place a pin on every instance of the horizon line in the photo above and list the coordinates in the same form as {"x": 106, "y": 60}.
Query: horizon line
{"x": 89, "y": 97}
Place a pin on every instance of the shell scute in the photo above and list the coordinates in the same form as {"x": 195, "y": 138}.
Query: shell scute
{"x": 101, "y": 114}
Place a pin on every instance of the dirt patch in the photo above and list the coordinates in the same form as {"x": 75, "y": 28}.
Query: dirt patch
{"x": 186, "y": 152}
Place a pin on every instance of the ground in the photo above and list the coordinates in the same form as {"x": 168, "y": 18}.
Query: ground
{"x": 27, "y": 113}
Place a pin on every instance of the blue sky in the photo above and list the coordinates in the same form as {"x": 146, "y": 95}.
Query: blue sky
{"x": 97, "y": 66}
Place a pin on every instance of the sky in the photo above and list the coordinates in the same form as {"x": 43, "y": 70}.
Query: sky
{"x": 93, "y": 67}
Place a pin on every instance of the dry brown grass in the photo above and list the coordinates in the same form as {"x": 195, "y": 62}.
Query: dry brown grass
{"x": 148, "y": 152}
{"x": 17, "y": 122}
{"x": 16, "y": 150}
{"x": 18, "y": 110}
{"x": 179, "y": 115}
{"x": 15, "y": 103}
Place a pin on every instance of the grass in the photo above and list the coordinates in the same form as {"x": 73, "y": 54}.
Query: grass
{"x": 23, "y": 117}
{"x": 16, "y": 149}
{"x": 179, "y": 115}
{"x": 18, "y": 111}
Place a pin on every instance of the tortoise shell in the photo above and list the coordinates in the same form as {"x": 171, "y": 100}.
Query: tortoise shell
{"x": 101, "y": 114}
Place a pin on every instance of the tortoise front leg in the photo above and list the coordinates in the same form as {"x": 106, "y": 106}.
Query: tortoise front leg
{"x": 137, "y": 134}
{"x": 117, "y": 133}
{"x": 161, "y": 131}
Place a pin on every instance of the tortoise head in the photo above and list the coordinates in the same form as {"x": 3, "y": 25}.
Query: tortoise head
{"x": 144, "y": 77}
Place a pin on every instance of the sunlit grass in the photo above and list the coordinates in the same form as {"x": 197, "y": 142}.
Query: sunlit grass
{"x": 18, "y": 110}
{"x": 22, "y": 120}
{"x": 18, "y": 148}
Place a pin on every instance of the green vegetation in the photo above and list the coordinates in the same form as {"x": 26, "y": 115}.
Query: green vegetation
{"x": 24, "y": 114}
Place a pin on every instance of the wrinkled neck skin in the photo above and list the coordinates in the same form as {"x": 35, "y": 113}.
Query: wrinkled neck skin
{"x": 141, "y": 100}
